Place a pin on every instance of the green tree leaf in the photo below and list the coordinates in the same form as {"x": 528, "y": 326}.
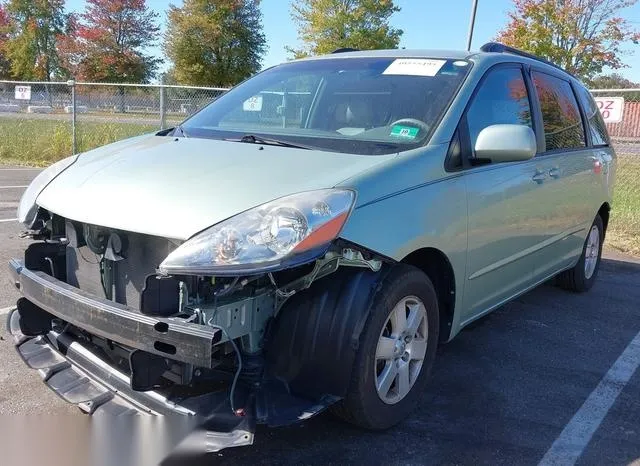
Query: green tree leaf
{"x": 32, "y": 46}
{"x": 214, "y": 42}
{"x": 327, "y": 25}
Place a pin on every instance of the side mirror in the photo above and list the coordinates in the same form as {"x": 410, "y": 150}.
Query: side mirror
{"x": 506, "y": 143}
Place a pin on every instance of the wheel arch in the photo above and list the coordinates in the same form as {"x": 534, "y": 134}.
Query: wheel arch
{"x": 437, "y": 266}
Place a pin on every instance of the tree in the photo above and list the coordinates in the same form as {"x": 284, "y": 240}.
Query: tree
{"x": 327, "y": 25}
{"x": 215, "y": 42}
{"x": 613, "y": 81}
{"x": 582, "y": 36}
{"x": 5, "y": 64}
{"x": 31, "y": 46}
{"x": 106, "y": 43}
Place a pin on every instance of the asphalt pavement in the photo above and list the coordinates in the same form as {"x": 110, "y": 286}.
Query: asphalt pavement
{"x": 546, "y": 379}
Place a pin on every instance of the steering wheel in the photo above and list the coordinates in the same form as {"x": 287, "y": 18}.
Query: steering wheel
{"x": 412, "y": 122}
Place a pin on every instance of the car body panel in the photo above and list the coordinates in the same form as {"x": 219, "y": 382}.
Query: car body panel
{"x": 176, "y": 187}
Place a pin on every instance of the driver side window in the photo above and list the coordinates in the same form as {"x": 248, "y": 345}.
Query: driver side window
{"x": 501, "y": 99}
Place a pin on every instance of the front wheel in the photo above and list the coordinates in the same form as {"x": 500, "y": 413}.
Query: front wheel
{"x": 396, "y": 351}
{"x": 581, "y": 277}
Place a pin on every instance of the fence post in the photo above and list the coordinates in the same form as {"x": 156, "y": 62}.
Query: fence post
{"x": 71, "y": 83}
{"x": 162, "y": 108}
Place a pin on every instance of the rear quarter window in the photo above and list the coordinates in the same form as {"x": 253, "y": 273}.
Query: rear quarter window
{"x": 597, "y": 128}
{"x": 560, "y": 113}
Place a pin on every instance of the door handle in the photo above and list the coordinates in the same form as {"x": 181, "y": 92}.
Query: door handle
{"x": 539, "y": 177}
{"x": 554, "y": 172}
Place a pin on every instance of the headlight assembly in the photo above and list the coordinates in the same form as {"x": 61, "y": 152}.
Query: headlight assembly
{"x": 27, "y": 207}
{"x": 265, "y": 237}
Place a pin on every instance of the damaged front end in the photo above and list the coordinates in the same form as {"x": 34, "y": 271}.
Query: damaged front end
{"x": 114, "y": 324}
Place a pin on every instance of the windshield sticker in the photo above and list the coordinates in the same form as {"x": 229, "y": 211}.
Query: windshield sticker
{"x": 253, "y": 104}
{"x": 404, "y": 132}
{"x": 414, "y": 67}
{"x": 460, "y": 63}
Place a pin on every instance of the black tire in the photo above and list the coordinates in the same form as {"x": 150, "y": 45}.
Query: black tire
{"x": 363, "y": 406}
{"x": 576, "y": 279}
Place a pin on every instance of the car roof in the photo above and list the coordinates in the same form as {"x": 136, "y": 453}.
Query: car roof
{"x": 395, "y": 53}
{"x": 476, "y": 55}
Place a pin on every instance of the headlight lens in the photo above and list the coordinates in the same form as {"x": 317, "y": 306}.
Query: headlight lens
{"x": 27, "y": 207}
{"x": 262, "y": 237}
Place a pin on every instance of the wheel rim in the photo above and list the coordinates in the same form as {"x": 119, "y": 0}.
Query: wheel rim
{"x": 401, "y": 350}
{"x": 591, "y": 252}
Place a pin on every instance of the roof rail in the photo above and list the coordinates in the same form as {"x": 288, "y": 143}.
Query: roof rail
{"x": 345, "y": 49}
{"x": 497, "y": 47}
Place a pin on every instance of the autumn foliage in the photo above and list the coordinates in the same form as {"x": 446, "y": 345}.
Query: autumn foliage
{"x": 582, "y": 36}
{"x": 106, "y": 43}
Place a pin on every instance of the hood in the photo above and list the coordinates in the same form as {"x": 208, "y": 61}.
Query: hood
{"x": 176, "y": 187}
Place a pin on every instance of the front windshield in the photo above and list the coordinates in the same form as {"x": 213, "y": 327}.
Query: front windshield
{"x": 352, "y": 105}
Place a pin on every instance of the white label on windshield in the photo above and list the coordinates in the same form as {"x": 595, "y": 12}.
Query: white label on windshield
{"x": 253, "y": 104}
{"x": 414, "y": 67}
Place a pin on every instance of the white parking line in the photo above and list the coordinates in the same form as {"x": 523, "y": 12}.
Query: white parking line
{"x": 578, "y": 432}
{"x": 18, "y": 169}
{"x": 6, "y": 310}
{"x": 14, "y": 187}
{"x": 8, "y": 220}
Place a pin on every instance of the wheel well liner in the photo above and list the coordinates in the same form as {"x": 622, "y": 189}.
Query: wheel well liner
{"x": 436, "y": 265}
{"x": 312, "y": 343}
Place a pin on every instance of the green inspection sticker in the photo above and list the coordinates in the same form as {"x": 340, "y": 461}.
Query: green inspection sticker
{"x": 404, "y": 132}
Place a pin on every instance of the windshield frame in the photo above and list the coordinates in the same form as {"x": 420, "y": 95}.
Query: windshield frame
{"x": 331, "y": 142}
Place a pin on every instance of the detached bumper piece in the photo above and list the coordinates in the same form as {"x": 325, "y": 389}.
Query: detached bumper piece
{"x": 170, "y": 338}
{"x": 80, "y": 377}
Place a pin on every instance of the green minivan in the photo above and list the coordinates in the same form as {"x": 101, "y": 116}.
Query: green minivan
{"x": 309, "y": 238}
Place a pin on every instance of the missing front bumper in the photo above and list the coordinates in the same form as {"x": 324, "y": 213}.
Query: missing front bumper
{"x": 167, "y": 337}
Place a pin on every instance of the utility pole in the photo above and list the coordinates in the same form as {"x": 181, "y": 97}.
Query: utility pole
{"x": 472, "y": 21}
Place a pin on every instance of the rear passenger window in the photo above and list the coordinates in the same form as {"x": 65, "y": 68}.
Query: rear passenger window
{"x": 501, "y": 99}
{"x": 599, "y": 135}
{"x": 560, "y": 114}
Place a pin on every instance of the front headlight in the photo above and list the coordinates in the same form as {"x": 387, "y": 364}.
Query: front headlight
{"x": 264, "y": 237}
{"x": 27, "y": 207}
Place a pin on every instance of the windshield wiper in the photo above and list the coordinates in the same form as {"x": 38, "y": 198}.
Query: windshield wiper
{"x": 253, "y": 139}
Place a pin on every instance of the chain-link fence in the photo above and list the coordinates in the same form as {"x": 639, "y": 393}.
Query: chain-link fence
{"x": 621, "y": 109}
{"x": 43, "y": 122}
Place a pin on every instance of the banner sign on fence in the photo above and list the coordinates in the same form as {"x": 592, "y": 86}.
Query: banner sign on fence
{"x": 23, "y": 92}
{"x": 611, "y": 108}
{"x": 253, "y": 104}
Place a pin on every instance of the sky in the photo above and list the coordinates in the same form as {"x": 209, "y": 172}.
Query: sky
{"x": 427, "y": 24}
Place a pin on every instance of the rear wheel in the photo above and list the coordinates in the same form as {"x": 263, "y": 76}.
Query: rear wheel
{"x": 581, "y": 277}
{"x": 396, "y": 351}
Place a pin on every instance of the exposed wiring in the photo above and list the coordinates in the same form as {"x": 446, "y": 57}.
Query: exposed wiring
{"x": 228, "y": 289}
{"x": 104, "y": 286}
{"x": 211, "y": 323}
{"x": 279, "y": 292}
{"x": 238, "y": 371}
